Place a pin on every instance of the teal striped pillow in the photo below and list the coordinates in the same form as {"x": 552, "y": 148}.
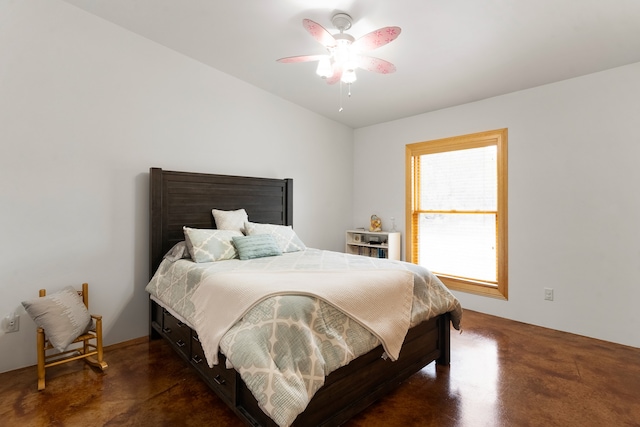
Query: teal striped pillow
{"x": 257, "y": 246}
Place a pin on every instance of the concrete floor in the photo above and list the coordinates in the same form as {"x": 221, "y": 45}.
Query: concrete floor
{"x": 502, "y": 373}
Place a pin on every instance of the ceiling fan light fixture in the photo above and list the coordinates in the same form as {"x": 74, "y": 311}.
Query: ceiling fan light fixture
{"x": 325, "y": 69}
{"x": 342, "y": 52}
{"x": 349, "y": 76}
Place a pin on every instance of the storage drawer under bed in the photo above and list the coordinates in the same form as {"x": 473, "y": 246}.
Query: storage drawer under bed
{"x": 178, "y": 333}
{"x": 219, "y": 377}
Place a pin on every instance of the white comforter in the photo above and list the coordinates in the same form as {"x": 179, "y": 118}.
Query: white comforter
{"x": 380, "y": 300}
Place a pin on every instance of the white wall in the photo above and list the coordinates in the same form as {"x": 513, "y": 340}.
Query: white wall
{"x": 574, "y": 198}
{"x": 86, "y": 108}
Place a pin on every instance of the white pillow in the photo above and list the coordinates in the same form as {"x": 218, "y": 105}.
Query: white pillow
{"x": 208, "y": 245}
{"x": 287, "y": 239}
{"x": 62, "y": 315}
{"x": 230, "y": 220}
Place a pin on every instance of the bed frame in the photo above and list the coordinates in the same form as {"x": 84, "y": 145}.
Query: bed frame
{"x": 183, "y": 198}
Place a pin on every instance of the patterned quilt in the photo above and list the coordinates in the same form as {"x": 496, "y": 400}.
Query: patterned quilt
{"x": 286, "y": 345}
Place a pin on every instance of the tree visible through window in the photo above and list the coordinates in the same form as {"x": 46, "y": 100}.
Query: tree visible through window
{"x": 457, "y": 210}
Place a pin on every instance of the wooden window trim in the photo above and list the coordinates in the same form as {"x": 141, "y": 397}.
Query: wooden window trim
{"x": 476, "y": 140}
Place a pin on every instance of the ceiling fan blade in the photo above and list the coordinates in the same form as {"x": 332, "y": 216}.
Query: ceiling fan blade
{"x": 376, "y": 65}
{"x": 337, "y": 75}
{"x": 377, "y": 38}
{"x": 303, "y": 58}
{"x": 319, "y": 33}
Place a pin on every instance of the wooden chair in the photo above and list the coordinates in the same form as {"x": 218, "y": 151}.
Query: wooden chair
{"x": 91, "y": 344}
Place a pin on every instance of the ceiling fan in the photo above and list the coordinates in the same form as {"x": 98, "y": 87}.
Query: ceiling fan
{"x": 345, "y": 52}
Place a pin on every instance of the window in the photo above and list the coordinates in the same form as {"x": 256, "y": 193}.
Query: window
{"x": 457, "y": 210}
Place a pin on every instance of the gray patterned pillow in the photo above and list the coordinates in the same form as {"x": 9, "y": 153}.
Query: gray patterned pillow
{"x": 258, "y": 246}
{"x": 230, "y": 220}
{"x": 208, "y": 245}
{"x": 287, "y": 239}
{"x": 62, "y": 315}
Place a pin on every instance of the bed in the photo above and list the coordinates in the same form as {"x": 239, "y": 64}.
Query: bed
{"x": 181, "y": 199}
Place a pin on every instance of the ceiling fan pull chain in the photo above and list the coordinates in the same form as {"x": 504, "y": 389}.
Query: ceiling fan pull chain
{"x": 340, "y": 109}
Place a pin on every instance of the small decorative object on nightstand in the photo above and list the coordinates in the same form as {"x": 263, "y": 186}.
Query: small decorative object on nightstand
{"x": 393, "y": 225}
{"x": 376, "y": 223}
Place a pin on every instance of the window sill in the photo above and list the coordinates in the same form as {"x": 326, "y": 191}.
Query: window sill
{"x": 474, "y": 287}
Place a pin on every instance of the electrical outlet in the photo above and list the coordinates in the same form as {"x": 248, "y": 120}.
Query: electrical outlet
{"x": 548, "y": 294}
{"x": 11, "y": 322}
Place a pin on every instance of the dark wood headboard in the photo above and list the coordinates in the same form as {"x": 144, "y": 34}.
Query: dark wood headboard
{"x": 185, "y": 198}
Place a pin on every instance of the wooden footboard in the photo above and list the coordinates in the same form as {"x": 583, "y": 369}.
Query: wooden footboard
{"x": 346, "y": 391}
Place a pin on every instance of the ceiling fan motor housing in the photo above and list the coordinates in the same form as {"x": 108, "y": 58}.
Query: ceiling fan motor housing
{"x": 341, "y": 21}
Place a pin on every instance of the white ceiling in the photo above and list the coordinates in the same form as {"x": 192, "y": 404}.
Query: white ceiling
{"x": 450, "y": 52}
